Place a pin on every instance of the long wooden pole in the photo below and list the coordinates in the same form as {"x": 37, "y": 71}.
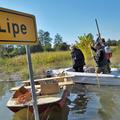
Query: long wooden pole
{"x": 32, "y": 83}
{"x": 98, "y": 29}
{"x": 98, "y": 82}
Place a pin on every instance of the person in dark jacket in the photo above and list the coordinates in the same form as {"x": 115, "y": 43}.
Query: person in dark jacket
{"x": 78, "y": 59}
{"x": 100, "y": 58}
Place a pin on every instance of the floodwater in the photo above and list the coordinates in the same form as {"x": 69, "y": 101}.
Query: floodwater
{"x": 84, "y": 103}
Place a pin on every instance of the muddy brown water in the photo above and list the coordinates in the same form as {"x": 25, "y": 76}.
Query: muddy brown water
{"x": 84, "y": 103}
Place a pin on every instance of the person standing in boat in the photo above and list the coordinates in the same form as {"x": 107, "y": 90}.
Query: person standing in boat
{"x": 78, "y": 59}
{"x": 100, "y": 58}
{"x": 108, "y": 53}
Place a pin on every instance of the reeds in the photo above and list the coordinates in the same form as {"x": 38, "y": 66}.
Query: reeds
{"x": 40, "y": 62}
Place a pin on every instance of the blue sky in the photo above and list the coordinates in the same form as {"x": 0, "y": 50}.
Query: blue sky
{"x": 72, "y": 18}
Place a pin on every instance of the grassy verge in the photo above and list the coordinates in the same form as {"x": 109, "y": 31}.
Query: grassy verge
{"x": 40, "y": 61}
{"x": 44, "y": 61}
{"x": 115, "y": 60}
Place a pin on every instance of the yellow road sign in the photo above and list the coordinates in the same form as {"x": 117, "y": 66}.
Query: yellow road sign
{"x": 17, "y": 27}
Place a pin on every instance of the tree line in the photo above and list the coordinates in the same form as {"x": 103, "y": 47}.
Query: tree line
{"x": 113, "y": 42}
{"x": 45, "y": 43}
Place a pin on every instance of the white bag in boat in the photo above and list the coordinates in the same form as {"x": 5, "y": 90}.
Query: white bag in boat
{"x": 108, "y": 52}
{"x": 108, "y": 49}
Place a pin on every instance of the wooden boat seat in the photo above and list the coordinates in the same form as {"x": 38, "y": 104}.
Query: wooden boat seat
{"x": 58, "y": 78}
{"x": 70, "y": 82}
{"x": 48, "y": 89}
{"x": 27, "y": 87}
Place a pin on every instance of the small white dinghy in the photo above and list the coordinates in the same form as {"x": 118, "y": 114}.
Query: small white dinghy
{"x": 91, "y": 78}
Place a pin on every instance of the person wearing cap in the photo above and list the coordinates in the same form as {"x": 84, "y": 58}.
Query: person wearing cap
{"x": 78, "y": 59}
{"x": 100, "y": 58}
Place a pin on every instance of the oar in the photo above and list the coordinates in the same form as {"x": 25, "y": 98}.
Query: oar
{"x": 98, "y": 82}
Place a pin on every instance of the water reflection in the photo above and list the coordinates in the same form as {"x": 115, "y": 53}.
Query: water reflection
{"x": 4, "y": 96}
{"x": 7, "y": 82}
{"x": 53, "y": 113}
{"x": 56, "y": 113}
{"x": 4, "y": 86}
{"x": 84, "y": 103}
{"x": 23, "y": 114}
{"x": 107, "y": 107}
{"x": 109, "y": 100}
{"x": 76, "y": 103}
{"x": 79, "y": 104}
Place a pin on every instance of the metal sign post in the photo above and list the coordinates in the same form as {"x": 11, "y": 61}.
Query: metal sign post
{"x": 20, "y": 28}
{"x": 32, "y": 82}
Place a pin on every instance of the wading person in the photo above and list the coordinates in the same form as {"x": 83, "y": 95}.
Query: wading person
{"x": 100, "y": 58}
{"x": 78, "y": 59}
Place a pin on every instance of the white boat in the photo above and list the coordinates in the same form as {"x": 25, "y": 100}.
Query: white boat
{"x": 93, "y": 78}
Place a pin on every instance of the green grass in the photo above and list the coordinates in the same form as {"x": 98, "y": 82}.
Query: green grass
{"x": 115, "y": 60}
{"x": 44, "y": 61}
{"x": 40, "y": 62}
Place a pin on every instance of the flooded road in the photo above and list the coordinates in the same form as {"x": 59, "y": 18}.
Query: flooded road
{"x": 84, "y": 103}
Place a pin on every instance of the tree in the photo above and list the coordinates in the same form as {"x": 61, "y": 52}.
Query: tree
{"x": 36, "y": 48}
{"x": 45, "y": 40}
{"x": 118, "y": 41}
{"x": 11, "y": 50}
{"x": 41, "y": 37}
{"x": 112, "y": 42}
{"x": 64, "y": 46}
{"x": 22, "y": 50}
{"x": 8, "y": 50}
{"x": 57, "y": 42}
{"x": 2, "y": 51}
{"x": 84, "y": 43}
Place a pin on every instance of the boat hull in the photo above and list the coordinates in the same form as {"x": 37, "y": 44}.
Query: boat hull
{"x": 41, "y": 107}
{"x": 92, "y": 78}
